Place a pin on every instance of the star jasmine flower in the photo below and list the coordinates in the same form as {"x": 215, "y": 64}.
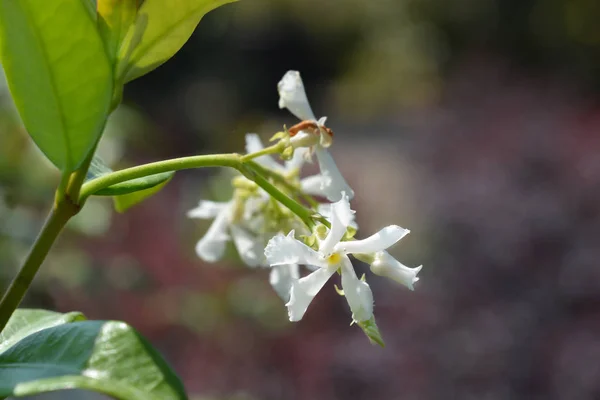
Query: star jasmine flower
{"x": 312, "y": 133}
{"x": 331, "y": 256}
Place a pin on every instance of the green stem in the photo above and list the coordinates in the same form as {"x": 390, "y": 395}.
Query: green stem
{"x": 275, "y": 149}
{"x": 249, "y": 169}
{"x": 220, "y": 160}
{"x": 61, "y": 191}
{"x": 58, "y": 218}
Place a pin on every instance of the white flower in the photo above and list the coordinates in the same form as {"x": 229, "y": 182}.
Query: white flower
{"x": 313, "y": 134}
{"x": 331, "y": 257}
{"x": 212, "y": 246}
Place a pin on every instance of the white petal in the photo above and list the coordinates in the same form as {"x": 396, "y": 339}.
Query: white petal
{"x": 388, "y": 266}
{"x": 383, "y": 239}
{"x": 293, "y": 97}
{"x": 207, "y": 209}
{"x": 212, "y": 246}
{"x": 254, "y": 144}
{"x": 282, "y": 277}
{"x": 336, "y": 183}
{"x": 312, "y": 185}
{"x": 341, "y": 218}
{"x": 304, "y": 290}
{"x": 249, "y": 246}
{"x": 288, "y": 250}
{"x": 358, "y": 293}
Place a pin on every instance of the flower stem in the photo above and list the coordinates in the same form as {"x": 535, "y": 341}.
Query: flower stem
{"x": 249, "y": 169}
{"x": 57, "y": 219}
{"x": 275, "y": 149}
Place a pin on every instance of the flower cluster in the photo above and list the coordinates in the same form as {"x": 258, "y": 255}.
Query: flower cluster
{"x": 268, "y": 234}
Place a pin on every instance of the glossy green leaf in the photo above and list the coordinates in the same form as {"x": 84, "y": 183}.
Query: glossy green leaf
{"x": 105, "y": 356}
{"x": 24, "y": 322}
{"x": 158, "y": 33}
{"x": 130, "y": 192}
{"x": 126, "y": 201}
{"x": 58, "y": 73}
{"x": 114, "y": 19}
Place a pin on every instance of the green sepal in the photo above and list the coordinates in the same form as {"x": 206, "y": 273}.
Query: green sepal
{"x": 370, "y": 329}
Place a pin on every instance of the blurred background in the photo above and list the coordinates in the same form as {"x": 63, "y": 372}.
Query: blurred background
{"x": 474, "y": 123}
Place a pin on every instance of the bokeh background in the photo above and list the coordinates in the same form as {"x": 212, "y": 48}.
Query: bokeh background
{"x": 474, "y": 123}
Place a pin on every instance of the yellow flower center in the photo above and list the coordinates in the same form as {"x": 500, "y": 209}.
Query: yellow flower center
{"x": 334, "y": 259}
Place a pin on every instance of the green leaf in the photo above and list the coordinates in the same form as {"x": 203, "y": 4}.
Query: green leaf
{"x": 130, "y": 192}
{"x": 58, "y": 73}
{"x": 158, "y": 33}
{"x": 114, "y": 19}
{"x": 136, "y": 185}
{"x": 24, "y": 322}
{"x": 124, "y": 202}
{"x": 105, "y": 356}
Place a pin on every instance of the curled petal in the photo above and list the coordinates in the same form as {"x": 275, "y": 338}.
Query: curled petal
{"x": 374, "y": 243}
{"x": 288, "y": 250}
{"x": 293, "y": 96}
{"x": 388, "y": 266}
{"x": 325, "y": 138}
{"x": 249, "y": 246}
{"x": 282, "y": 277}
{"x": 207, "y": 209}
{"x": 336, "y": 184}
{"x": 358, "y": 293}
{"x": 254, "y": 144}
{"x": 304, "y": 290}
{"x": 212, "y": 246}
{"x": 341, "y": 218}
